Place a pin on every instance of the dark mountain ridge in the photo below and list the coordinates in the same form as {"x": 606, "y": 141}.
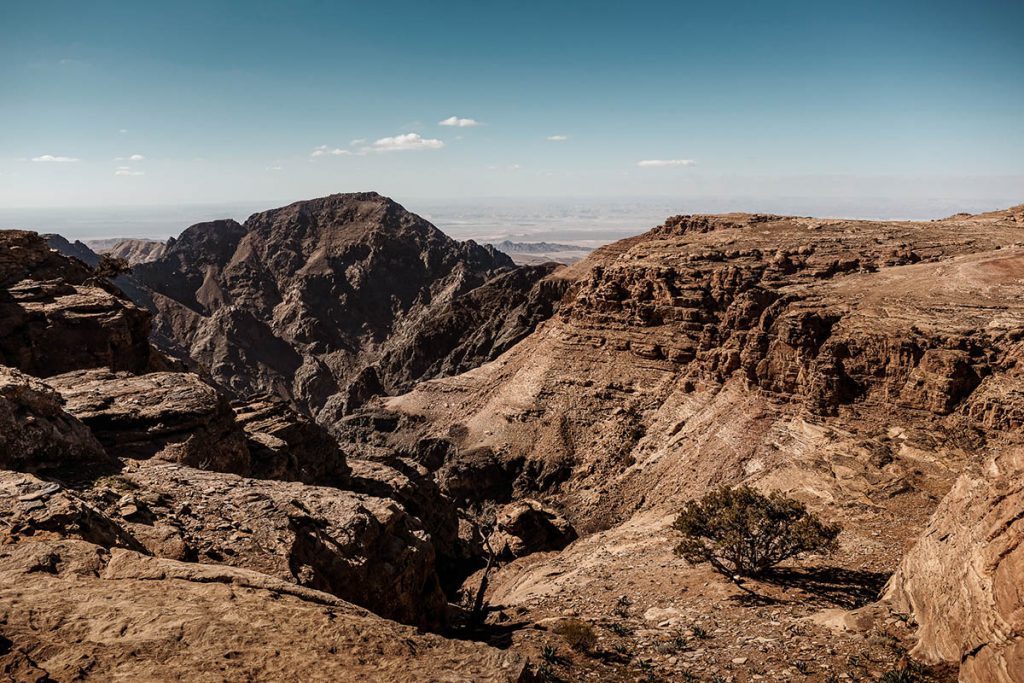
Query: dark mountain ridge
{"x": 330, "y": 301}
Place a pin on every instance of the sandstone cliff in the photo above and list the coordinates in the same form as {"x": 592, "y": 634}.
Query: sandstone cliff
{"x": 861, "y": 367}
{"x": 963, "y": 582}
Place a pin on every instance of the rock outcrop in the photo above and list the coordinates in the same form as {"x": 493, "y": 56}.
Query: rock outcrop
{"x": 118, "y": 614}
{"x": 36, "y": 433}
{"x": 331, "y": 301}
{"x": 172, "y": 416}
{"x": 77, "y": 249}
{"x": 55, "y": 316}
{"x": 286, "y": 445}
{"x": 527, "y": 526}
{"x": 363, "y": 549}
{"x": 132, "y": 250}
{"x": 32, "y": 507}
{"x": 963, "y": 582}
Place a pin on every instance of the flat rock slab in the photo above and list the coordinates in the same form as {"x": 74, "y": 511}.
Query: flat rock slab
{"x": 365, "y": 549}
{"x": 172, "y": 416}
{"x": 121, "y": 615}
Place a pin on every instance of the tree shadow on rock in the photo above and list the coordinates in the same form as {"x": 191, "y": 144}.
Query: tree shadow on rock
{"x": 826, "y": 586}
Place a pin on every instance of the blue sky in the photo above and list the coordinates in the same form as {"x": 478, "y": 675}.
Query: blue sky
{"x": 119, "y": 103}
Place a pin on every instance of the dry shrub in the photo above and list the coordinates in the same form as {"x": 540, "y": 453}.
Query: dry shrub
{"x": 578, "y": 634}
{"x": 741, "y": 531}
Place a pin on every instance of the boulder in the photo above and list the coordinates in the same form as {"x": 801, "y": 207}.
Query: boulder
{"x": 172, "y": 416}
{"x": 526, "y": 526}
{"x": 36, "y": 433}
{"x": 361, "y": 548}
{"x": 286, "y": 445}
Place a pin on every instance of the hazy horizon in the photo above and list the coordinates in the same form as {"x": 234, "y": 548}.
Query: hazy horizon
{"x": 582, "y": 220}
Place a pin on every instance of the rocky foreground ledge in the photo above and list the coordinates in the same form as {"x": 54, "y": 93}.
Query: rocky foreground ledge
{"x": 152, "y": 530}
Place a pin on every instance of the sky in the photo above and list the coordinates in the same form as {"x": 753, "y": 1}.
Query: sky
{"x": 147, "y": 104}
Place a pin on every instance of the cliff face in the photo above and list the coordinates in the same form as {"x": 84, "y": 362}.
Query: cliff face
{"x": 861, "y": 367}
{"x": 162, "y": 463}
{"x": 333, "y": 300}
{"x": 56, "y": 316}
{"x": 762, "y": 329}
{"x": 963, "y": 582}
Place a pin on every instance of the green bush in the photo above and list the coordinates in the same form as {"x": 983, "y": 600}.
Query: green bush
{"x": 741, "y": 531}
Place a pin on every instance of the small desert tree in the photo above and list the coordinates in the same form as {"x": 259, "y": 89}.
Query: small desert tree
{"x": 741, "y": 531}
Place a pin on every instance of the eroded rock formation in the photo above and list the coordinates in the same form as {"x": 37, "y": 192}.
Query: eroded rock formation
{"x": 55, "y": 316}
{"x": 331, "y": 301}
{"x": 121, "y": 614}
{"x": 525, "y": 527}
{"x": 172, "y": 416}
{"x": 36, "y": 433}
{"x": 746, "y": 336}
{"x": 869, "y": 369}
{"x": 134, "y": 251}
{"x": 360, "y": 548}
{"x": 963, "y": 582}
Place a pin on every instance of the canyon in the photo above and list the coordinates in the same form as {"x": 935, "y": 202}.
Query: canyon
{"x": 305, "y": 444}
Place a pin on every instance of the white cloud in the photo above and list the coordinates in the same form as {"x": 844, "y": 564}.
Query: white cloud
{"x": 666, "y": 162}
{"x": 134, "y": 157}
{"x": 397, "y": 143}
{"x": 128, "y": 171}
{"x": 275, "y": 168}
{"x": 404, "y": 142}
{"x": 57, "y": 159}
{"x": 324, "y": 150}
{"x": 459, "y": 123}
{"x": 558, "y": 138}
{"x": 123, "y": 131}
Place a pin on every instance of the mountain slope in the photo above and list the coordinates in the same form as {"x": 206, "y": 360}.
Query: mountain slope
{"x": 330, "y": 301}
{"x": 858, "y": 366}
{"x": 132, "y": 250}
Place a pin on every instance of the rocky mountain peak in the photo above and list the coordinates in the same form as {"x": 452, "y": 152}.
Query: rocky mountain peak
{"x": 344, "y": 225}
{"x": 331, "y": 297}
